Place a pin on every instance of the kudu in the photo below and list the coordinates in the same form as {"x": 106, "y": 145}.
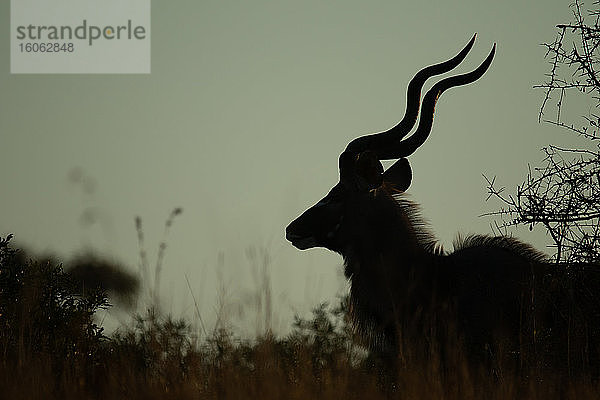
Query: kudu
{"x": 399, "y": 277}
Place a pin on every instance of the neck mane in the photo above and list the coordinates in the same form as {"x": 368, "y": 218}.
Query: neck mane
{"x": 395, "y": 235}
{"x": 393, "y": 258}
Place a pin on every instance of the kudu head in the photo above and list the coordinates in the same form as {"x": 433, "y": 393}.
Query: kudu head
{"x": 332, "y": 222}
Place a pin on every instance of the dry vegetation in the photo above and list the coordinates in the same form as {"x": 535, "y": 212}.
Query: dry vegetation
{"x": 52, "y": 348}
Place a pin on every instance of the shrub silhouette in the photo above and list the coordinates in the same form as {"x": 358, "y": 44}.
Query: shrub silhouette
{"x": 43, "y": 318}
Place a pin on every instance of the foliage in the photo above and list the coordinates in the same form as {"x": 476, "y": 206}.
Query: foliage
{"x": 563, "y": 194}
{"x": 42, "y": 312}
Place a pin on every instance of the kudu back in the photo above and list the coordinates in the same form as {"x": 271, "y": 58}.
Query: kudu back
{"x": 490, "y": 290}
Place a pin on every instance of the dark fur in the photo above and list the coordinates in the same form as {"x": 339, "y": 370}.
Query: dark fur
{"x": 499, "y": 297}
{"x": 492, "y": 292}
{"x": 495, "y": 294}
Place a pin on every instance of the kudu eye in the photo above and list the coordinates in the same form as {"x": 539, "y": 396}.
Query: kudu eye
{"x": 369, "y": 168}
{"x": 361, "y": 171}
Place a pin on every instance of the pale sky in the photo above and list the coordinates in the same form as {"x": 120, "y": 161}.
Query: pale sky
{"x": 241, "y": 123}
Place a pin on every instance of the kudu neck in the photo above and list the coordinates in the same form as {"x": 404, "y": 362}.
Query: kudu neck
{"x": 394, "y": 235}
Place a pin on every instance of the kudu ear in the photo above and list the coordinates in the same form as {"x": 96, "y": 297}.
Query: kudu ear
{"x": 399, "y": 174}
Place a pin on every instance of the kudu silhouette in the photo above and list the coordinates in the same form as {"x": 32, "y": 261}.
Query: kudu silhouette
{"x": 494, "y": 292}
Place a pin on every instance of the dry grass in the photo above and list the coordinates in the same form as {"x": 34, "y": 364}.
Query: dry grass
{"x": 158, "y": 361}
{"x": 52, "y": 348}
